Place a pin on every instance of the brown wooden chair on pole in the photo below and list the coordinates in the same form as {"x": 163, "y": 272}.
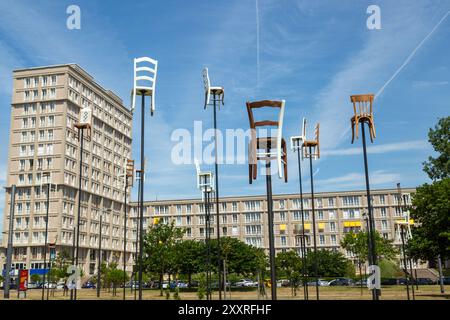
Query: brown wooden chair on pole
{"x": 267, "y": 148}
{"x": 311, "y": 148}
{"x": 363, "y": 109}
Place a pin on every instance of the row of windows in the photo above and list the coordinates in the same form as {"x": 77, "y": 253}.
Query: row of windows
{"x": 33, "y": 82}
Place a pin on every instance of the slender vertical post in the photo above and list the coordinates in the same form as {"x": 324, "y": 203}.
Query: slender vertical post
{"x": 404, "y": 261}
{"x": 45, "y": 242}
{"x": 375, "y": 292}
{"x": 77, "y": 249}
{"x": 316, "y": 267}
{"x": 216, "y": 167}
{"x": 141, "y": 201}
{"x": 10, "y": 242}
{"x": 125, "y": 238}
{"x": 441, "y": 278}
{"x": 208, "y": 258}
{"x": 137, "y": 237}
{"x": 73, "y": 257}
{"x": 273, "y": 277}
{"x": 99, "y": 267}
{"x": 302, "y": 239}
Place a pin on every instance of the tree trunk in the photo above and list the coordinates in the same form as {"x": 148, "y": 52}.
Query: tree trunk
{"x": 160, "y": 284}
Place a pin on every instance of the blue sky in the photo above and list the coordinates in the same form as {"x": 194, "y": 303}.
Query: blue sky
{"x": 313, "y": 54}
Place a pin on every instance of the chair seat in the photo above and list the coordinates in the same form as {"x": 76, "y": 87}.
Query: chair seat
{"x": 216, "y": 90}
{"x": 362, "y": 117}
{"x": 310, "y": 143}
{"x": 148, "y": 91}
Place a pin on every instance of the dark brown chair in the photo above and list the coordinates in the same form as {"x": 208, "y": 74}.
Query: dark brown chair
{"x": 363, "y": 112}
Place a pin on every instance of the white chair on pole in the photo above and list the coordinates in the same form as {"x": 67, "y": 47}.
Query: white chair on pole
{"x": 297, "y": 141}
{"x": 267, "y": 148}
{"x": 145, "y": 71}
{"x": 217, "y": 92}
{"x": 205, "y": 180}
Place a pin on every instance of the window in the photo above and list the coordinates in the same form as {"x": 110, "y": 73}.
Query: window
{"x": 296, "y": 215}
{"x": 332, "y": 226}
{"x": 333, "y": 239}
{"x": 321, "y": 239}
{"x": 281, "y": 204}
{"x": 320, "y": 215}
{"x": 382, "y": 199}
{"x": 234, "y": 205}
{"x": 350, "y": 201}
{"x": 50, "y": 134}
{"x": 282, "y": 216}
{"x": 178, "y": 208}
{"x": 283, "y": 240}
{"x": 331, "y": 202}
{"x": 383, "y": 212}
{"x": 252, "y": 205}
{"x": 188, "y": 220}
{"x": 235, "y": 218}
{"x": 384, "y": 225}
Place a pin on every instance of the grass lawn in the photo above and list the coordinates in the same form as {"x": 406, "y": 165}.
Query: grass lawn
{"x": 326, "y": 293}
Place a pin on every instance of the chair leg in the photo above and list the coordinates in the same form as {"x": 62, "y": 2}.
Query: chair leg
{"x": 255, "y": 171}
{"x": 353, "y": 130}
{"x": 357, "y": 128}
{"x": 250, "y": 173}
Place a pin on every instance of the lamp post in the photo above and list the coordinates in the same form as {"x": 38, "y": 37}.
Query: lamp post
{"x": 299, "y": 233}
{"x": 206, "y": 186}
{"x": 99, "y": 267}
{"x": 267, "y": 148}
{"x": 297, "y": 146}
{"x": 138, "y": 216}
{"x": 84, "y": 123}
{"x": 363, "y": 113}
{"x": 9, "y": 249}
{"x": 129, "y": 173}
{"x": 48, "y": 177}
{"x": 144, "y": 85}
{"x": 311, "y": 149}
{"x": 217, "y": 96}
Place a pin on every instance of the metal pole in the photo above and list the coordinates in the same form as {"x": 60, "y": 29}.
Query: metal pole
{"x": 99, "y": 257}
{"x": 141, "y": 204}
{"x": 77, "y": 250}
{"x": 10, "y": 243}
{"x": 375, "y": 292}
{"x": 208, "y": 249}
{"x": 441, "y": 278}
{"x": 404, "y": 261}
{"x": 316, "y": 267}
{"x": 216, "y": 167}
{"x": 137, "y": 237}
{"x": 273, "y": 278}
{"x": 413, "y": 281}
{"x": 125, "y": 238}
{"x": 302, "y": 240}
{"x": 73, "y": 258}
{"x": 45, "y": 243}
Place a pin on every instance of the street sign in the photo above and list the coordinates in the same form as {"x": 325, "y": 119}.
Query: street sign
{"x": 23, "y": 280}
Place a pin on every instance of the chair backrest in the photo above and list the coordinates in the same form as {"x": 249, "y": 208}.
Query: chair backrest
{"x": 362, "y": 104}
{"x": 145, "y": 76}
{"x": 316, "y": 131}
{"x": 206, "y": 82}
{"x": 304, "y": 129}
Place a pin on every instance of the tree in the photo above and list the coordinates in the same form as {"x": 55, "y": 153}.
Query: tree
{"x": 330, "y": 263}
{"x": 34, "y": 278}
{"x": 289, "y": 264}
{"x": 115, "y": 276}
{"x": 159, "y": 249}
{"x": 431, "y": 212}
{"x": 357, "y": 244}
{"x": 389, "y": 268}
{"x": 189, "y": 257}
{"x": 439, "y": 168}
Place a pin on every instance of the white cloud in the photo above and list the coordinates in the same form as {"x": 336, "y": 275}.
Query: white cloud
{"x": 380, "y": 149}
{"x": 357, "y": 180}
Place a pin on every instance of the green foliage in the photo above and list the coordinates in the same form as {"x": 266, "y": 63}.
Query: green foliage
{"x": 389, "y": 268}
{"x": 357, "y": 243}
{"x": 431, "y": 212}
{"x": 34, "y": 278}
{"x": 189, "y": 257}
{"x": 330, "y": 263}
{"x": 439, "y": 167}
{"x": 201, "y": 292}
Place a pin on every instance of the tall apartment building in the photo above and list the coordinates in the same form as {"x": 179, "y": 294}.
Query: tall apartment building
{"x": 245, "y": 218}
{"x": 44, "y": 148}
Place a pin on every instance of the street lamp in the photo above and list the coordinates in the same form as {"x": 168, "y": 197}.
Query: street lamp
{"x": 297, "y": 146}
{"x": 267, "y": 148}
{"x": 129, "y": 173}
{"x": 205, "y": 184}
{"x": 48, "y": 178}
{"x": 217, "y": 96}
{"x": 311, "y": 149}
{"x": 363, "y": 113}
{"x": 299, "y": 233}
{"x": 143, "y": 85}
{"x": 85, "y": 122}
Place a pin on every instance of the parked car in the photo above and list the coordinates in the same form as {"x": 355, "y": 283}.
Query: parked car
{"x": 425, "y": 281}
{"x": 194, "y": 284}
{"x": 321, "y": 282}
{"x": 87, "y": 285}
{"x": 341, "y": 282}
{"x": 446, "y": 280}
{"x": 389, "y": 282}
{"x": 283, "y": 283}
{"x": 244, "y": 283}
{"x": 50, "y": 285}
{"x": 361, "y": 282}
{"x": 34, "y": 285}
